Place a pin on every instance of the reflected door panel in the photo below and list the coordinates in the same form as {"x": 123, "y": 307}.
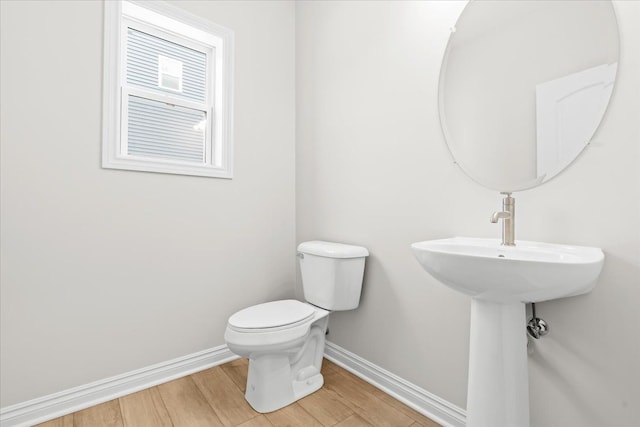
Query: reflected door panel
{"x": 568, "y": 112}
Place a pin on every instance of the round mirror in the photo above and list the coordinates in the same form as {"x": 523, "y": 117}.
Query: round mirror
{"x": 524, "y": 86}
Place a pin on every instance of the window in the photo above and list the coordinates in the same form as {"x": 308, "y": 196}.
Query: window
{"x": 167, "y": 91}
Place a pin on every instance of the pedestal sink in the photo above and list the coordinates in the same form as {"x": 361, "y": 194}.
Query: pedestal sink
{"x": 500, "y": 280}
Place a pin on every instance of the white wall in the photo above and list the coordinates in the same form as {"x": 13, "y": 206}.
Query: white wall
{"x": 373, "y": 169}
{"x": 106, "y": 271}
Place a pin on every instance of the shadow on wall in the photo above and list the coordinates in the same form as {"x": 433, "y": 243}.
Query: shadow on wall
{"x": 568, "y": 346}
{"x": 369, "y": 316}
{"x": 563, "y": 381}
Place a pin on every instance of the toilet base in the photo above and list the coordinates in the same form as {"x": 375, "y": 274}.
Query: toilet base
{"x": 270, "y": 387}
{"x": 276, "y": 380}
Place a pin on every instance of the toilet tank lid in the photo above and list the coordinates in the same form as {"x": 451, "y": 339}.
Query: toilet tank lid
{"x": 332, "y": 250}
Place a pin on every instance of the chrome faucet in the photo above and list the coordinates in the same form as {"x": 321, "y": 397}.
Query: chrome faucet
{"x": 508, "y": 217}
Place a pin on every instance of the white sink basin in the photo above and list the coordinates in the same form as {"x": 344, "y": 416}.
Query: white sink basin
{"x": 527, "y": 272}
{"x": 500, "y": 279}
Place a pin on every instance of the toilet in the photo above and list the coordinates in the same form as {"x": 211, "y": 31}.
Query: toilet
{"x": 284, "y": 340}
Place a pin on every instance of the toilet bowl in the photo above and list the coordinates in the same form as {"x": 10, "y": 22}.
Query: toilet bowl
{"x": 284, "y": 340}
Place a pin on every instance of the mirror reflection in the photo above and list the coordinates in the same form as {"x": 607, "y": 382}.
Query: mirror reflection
{"x": 524, "y": 86}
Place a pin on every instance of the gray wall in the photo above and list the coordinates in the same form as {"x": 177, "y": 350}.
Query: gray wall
{"x": 106, "y": 271}
{"x": 373, "y": 169}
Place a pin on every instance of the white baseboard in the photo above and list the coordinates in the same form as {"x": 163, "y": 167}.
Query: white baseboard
{"x": 65, "y": 402}
{"x": 428, "y": 404}
{"x": 77, "y": 398}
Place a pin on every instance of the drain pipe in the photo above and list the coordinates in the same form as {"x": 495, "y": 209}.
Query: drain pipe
{"x": 536, "y": 327}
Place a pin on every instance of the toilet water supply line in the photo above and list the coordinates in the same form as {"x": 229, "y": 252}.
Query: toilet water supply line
{"x": 536, "y": 327}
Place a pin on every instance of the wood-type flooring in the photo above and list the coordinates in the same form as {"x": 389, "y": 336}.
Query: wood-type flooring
{"x": 215, "y": 397}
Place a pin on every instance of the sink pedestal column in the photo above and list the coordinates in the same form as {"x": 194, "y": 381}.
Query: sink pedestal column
{"x": 498, "y": 393}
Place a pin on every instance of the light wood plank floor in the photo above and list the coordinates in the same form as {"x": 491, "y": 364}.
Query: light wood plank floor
{"x": 215, "y": 397}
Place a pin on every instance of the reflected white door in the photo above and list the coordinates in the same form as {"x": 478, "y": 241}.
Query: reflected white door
{"x": 568, "y": 111}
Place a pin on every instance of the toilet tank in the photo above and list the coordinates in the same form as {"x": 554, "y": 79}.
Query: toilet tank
{"x": 332, "y": 274}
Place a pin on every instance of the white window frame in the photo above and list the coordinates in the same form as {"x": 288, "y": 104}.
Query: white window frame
{"x": 173, "y": 24}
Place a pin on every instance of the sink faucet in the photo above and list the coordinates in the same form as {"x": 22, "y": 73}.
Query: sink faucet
{"x": 508, "y": 217}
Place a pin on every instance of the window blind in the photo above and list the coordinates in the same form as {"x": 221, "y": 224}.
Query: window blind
{"x": 164, "y": 131}
{"x": 144, "y": 53}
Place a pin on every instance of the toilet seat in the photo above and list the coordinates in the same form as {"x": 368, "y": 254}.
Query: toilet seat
{"x": 284, "y": 323}
{"x": 271, "y": 316}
